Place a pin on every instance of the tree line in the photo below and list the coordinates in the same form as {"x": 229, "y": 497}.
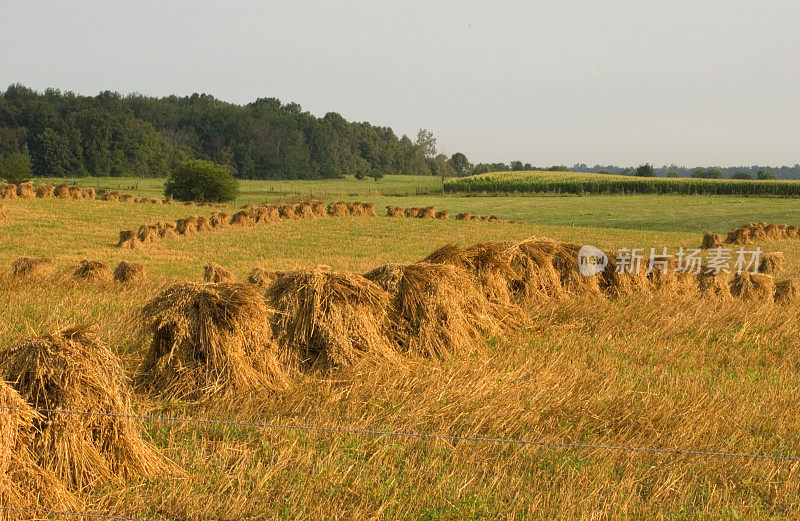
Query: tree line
{"x": 69, "y": 135}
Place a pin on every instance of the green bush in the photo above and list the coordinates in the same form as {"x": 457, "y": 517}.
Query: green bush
{"x": 645, "y": 170}
{"x": 742, "y": 175}
{"x": 203, "y": 181}
{"x": 15, "y": 168}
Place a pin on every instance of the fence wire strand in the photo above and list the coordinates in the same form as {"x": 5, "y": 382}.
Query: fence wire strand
{"x": 418, "y": 435}
{"x": 72, "y": 514}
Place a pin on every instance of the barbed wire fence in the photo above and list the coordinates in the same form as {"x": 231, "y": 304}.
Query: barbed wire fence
{"x": 147, "y": 418}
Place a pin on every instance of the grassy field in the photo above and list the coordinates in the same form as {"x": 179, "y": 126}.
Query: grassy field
{"x": 640, "y": 371}
{"x": 586, "y": 183}
{"x": 262, "y": 191}
{"x": 668, "y": 213}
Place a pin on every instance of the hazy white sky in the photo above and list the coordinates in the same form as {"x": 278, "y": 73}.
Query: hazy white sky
{"x": 548, "y": 81}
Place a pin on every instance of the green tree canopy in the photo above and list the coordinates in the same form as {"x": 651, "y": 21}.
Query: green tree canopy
{"x": 16, "y": 167}
{"x": 645, "y": 170}
{"x": 201, "y": 180}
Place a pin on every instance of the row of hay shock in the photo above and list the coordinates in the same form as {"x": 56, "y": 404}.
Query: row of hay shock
{"x": 86, "y": 270}
{"x": 247, "y": 216}
{"x": 429, "y": 212}
{"x": 44, "y": 191}
{"x": 753, "y": 232}
{"x": 443, "y": 305}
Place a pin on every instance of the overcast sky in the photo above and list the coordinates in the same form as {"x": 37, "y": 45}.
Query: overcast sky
{"x": 548, "y": 82}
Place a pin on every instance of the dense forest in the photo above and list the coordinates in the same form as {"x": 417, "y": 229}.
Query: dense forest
{"x": 112, "y": 135}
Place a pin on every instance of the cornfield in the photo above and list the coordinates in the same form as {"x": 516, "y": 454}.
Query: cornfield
{"x": 585, "y": 184}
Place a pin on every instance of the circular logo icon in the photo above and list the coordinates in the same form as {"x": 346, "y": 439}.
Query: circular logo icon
{"x": 591, "y": 260}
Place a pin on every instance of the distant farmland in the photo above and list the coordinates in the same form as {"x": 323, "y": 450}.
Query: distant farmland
{"x": 584, "y": 183}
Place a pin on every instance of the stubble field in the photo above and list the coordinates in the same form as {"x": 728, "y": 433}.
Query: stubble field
{"x": 644, "y": 370}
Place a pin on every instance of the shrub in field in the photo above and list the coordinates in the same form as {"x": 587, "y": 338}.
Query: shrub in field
{"x": 201, "y": 180}
{"x": 15, "y": 168}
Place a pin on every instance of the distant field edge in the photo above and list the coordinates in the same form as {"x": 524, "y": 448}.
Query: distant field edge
{"x": 570, "y": 183}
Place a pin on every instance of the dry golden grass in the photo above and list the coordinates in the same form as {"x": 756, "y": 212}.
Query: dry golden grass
{"x": 644, "y": 369}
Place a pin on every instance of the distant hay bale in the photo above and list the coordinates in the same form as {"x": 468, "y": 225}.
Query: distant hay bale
{"x": 773, "y": 232}
{"x": 758, "y": 231}
{"x": 26, "y": 191}
{"x": 155, "y": 201}
{"x": 304, "y": 210}
{"x": 771, "y": 262}
{"x": 273, "y": 214}
{"x": 213, "y": 272}
{"x": 260, "y": 214}
{"x": 111, "y": 196}
{"x": 88, "y": 193}
{"x": 166, "y": 230}
{"x": 261, "y": 277}
{"x": 319, "y": 208}
{"x": 714, "y": 285}
{"x": 218, "y": 220}
{"x": 395, "y": 211}
{"x": 463, "y": 216}
{"x": 45, "y": 191}
{"x": 429, "y": 212}
{"x": 792, "y": 232}
{"x": 8, "y": 191}
{"x": 187, "y": 226}
{"x": 355, "y": 208}
{"x": 412, "y": 212}
{"x": 31, "y": 267}
{"x": 188, "y": 203}
{"x": 128, "y": 272}
{"x": 443, "y": 214}
{"x": 126, "y": 198}
{"x": 437, "y": 310}
{"x": 286, "y": 211}
{"x": 62, "y": 191}
{"x": 92, "y": 270}
{"x": 23, "y": 483}
{"x": 76, "y": 192}
{"x": 73, "y": 370}
{"x": 329, "y": 319}
{"x": 128, "y": 240}
{"x": 495, "y": 219}
{"x": 209, "y": 340}
{"x": 203, "y": 224}
{"x": 338, "y": 209}
{"x": 168, "y": 200}
{"x": 749, "y": 286}
{"x": 787, "y": 292}
{"x": 368, "y": 210}
{"x": 143, "y": 200}
{"x": 242, "y": 218}
{"x": 148, "y": 233}
{"x": 711, "y": 240}
{"x": 739, "y": 236}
